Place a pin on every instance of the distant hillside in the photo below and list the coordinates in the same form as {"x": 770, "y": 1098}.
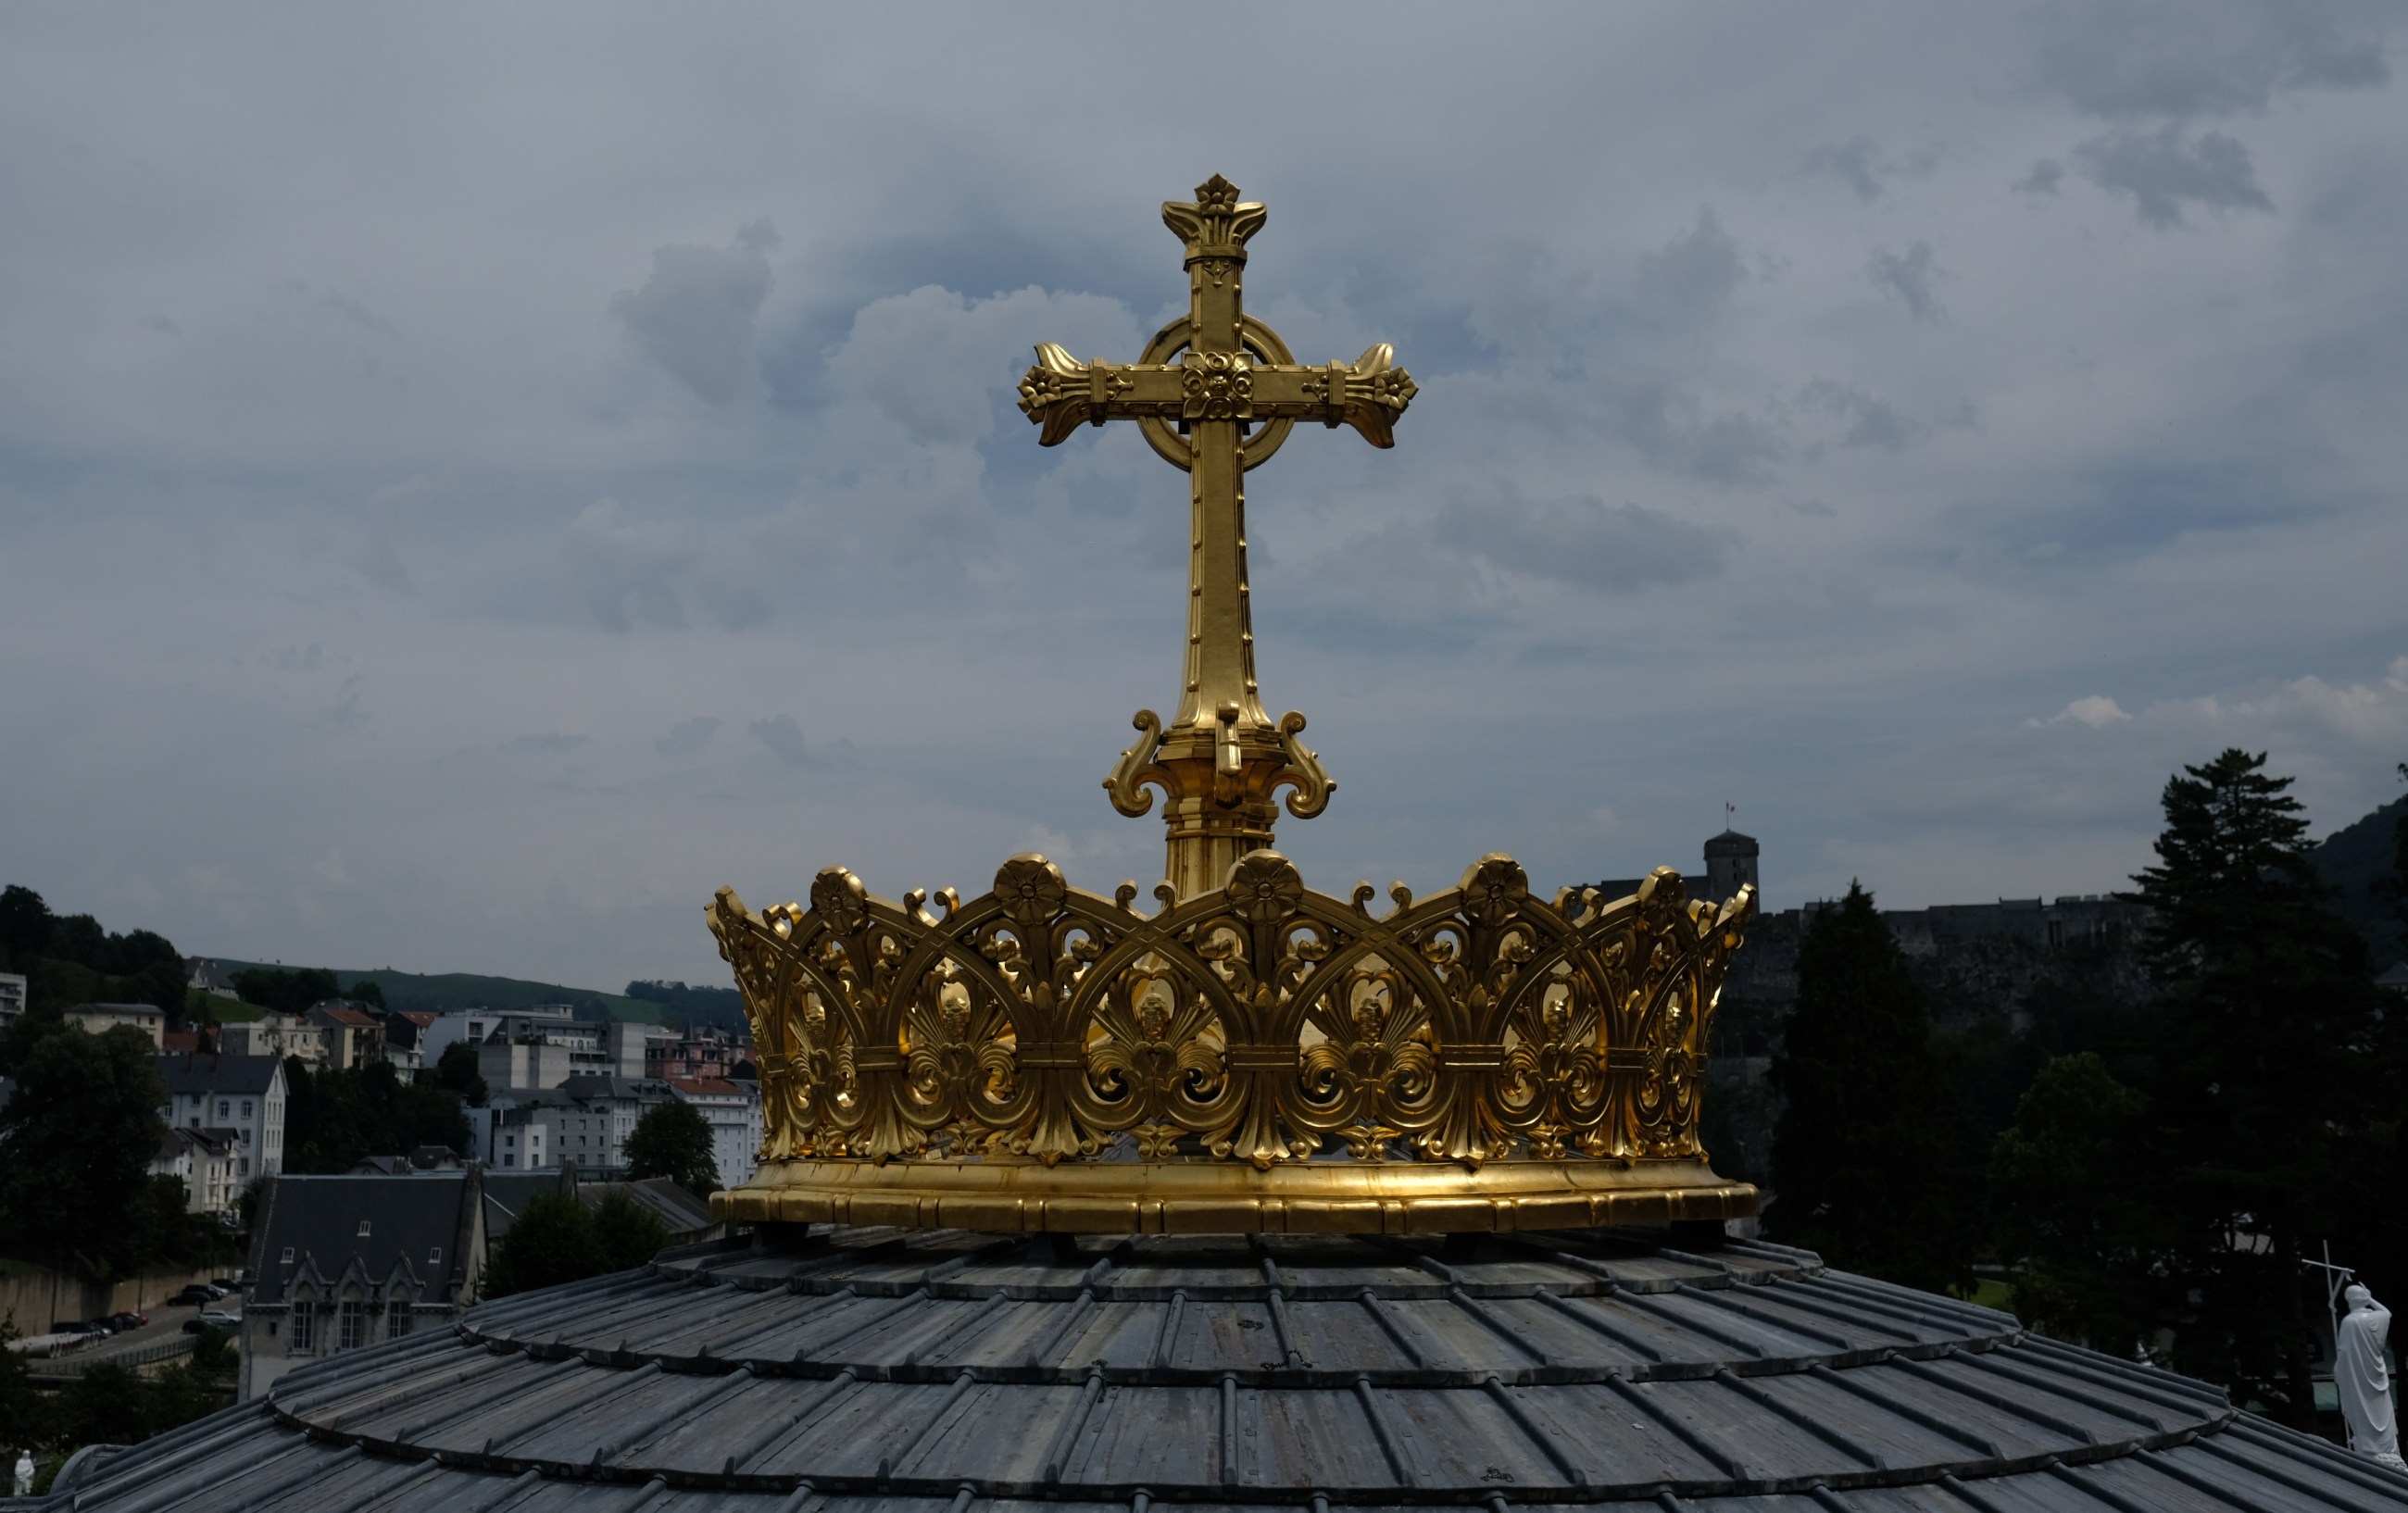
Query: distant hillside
{"x": 440, "y": 991}
{"x": 2354, "y": 859}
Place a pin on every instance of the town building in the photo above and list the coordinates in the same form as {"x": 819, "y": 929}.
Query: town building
{"x": 100, "y": 1017}
{"x": 583, "y": 1122}
{"x": 708, "y": 1052}
{"x": 528, "y": 1049}
{"x": 405, "y": 1033}
{"x": 273, "y": 1034}
{"x": 205, "y": 1162}
{"x": 733, "y": 1110}
{"x": 206, "y": 975}
{"x": 13, "y": 997}
{"x": 354, "y": 1037}
{"x": 240, "y": 1097}
{"x": 342, "y": 1262}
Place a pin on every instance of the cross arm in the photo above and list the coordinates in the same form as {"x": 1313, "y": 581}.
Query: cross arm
{"x": 1367, "y": 393}
{"x": 1059, "y": 393}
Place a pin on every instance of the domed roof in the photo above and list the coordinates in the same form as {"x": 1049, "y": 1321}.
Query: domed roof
{"x": 938, "y": 1371}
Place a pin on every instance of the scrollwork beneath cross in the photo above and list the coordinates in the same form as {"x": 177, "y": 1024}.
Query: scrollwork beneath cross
{"x": 1215, "y": 393}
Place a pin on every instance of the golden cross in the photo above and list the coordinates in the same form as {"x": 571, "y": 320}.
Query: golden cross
{"x": 1203, "y": 385}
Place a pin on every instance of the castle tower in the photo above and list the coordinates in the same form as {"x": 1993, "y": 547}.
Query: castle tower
{"x": 1730, "y": 864}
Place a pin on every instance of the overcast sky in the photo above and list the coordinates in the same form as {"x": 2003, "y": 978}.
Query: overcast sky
{"x": 474, "y": 479}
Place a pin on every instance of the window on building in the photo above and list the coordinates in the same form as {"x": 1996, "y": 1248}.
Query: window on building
{"x": 435, "y": 1256}
{"x": 397, "y": 1318}
{"x": 246, "y": 1108}
{"x": 305, "y": 1327}
{"x": 354, "y": 1322}
{"x": 288, "y": 1255}
{"x": 364, "y": 1230}
{"x": 508, "y": 1160}
{"x": 222, "y": 1108}
{"x": 246, "y": 1165}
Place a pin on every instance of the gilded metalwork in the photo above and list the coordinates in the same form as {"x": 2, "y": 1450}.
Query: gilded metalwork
{"x": 1215, "y": 393}
{"x": 1262, "y": 1028}
{"x": 1252, "y": 1055}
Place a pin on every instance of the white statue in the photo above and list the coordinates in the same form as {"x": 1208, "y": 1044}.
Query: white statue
{"x": 25, "y": 1474}
{"x": 2363, "y": 1378}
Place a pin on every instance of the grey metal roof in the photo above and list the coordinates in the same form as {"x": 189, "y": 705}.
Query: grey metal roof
{"x": 208, "y": 1072}
{"x": 939, "y": 1372}
{"x": 414, "y": 1222}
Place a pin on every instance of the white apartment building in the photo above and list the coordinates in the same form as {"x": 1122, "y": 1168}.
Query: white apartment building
{"x": 12, "y": 996}
{"x": 204, "y": 1162}
{"x": 585, "y": 1121}
{"x": 733, "y": 1106}
{"x": 241, "y": 1097}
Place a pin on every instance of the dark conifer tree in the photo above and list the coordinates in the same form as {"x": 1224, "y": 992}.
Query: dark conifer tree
{"x": 2265, "y": 1089}
{"x": 1860, "y": 1164}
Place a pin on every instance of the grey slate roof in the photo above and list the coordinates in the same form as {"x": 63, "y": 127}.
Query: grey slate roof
{"x": 206, "y": 1072}
{"x": 943, "y": 1372}
{"x": 415, "y": 1225}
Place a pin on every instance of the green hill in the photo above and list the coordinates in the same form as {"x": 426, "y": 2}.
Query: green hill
{"x": 2353, "y": 860}
{"x": 440, "y": 991}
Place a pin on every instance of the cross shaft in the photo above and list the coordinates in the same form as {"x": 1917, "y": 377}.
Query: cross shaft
{"x": 1199, "y": 393}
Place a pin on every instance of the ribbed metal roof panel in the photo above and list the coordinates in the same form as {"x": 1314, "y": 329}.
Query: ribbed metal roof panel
{"x": 942, "y": 1371}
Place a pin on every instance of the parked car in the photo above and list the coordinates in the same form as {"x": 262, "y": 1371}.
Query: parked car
{"x": 99, "y": 1326}
{"x": 220, "y": 1318}
{"x": 129, "y": 1320}
{"x": 192, "y": 1297}
{"x": 226, "y": 1284}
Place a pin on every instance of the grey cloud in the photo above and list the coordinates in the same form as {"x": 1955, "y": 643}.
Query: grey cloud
{"x": 2043, "y": 178}
{"x": 1871, "y": 423}
{"x": 695, "y": 314}
{"x": 1909, "y": 276}
{"x": 1694, "y": 272}
{"x": 1849, "y": 162}
{"x": 2163, "y": 173}
{"x": 1584, "y": 541}
{"x": 2128, "y": 59}
{"x": 1665, "y": 425}
{"x": 626, "y": 569}
{"x": 547, "y": 743}
{"x": 784, "y": 739}
{"x": 690, "y": 735}
{"x": 1859, "y": 164}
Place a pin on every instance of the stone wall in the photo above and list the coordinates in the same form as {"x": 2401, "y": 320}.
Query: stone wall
{"x": 39, "y": 1299}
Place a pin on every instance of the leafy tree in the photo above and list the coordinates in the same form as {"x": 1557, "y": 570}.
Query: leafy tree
{"x": 2073, "y": 1187}
{"x": 21, "y": 1402}
{"x": 551, "y": 1242}
{"x": 76, "y": 1146}
{"x": 1858, "y": 1167}
{"x": 24, "y": 921}
{"x": 333, "y": 1118}
{"x": 456, "y": 1070}
{"x": 625, "y": 1234}
{"x": 2269, "y": 1080}
{"x": 556, "y": 1239}
{"x": 366, "y": 991}
{"x": 673, "y": 1140}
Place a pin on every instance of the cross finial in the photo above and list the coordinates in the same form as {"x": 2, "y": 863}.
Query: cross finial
{"x": 1215, "y": 393}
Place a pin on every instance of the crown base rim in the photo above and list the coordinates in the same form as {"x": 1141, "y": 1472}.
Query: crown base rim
{"x": 1220, "y": 1198}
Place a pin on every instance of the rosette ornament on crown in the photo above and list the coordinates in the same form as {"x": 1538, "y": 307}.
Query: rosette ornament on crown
{"x": 1215, "y": 393}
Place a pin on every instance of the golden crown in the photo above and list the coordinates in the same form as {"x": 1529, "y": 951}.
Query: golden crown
{"x": 1252, "y": 1055}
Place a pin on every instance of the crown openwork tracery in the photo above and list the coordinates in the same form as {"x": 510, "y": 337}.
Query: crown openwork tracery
{"x": 1252, "y": 1055}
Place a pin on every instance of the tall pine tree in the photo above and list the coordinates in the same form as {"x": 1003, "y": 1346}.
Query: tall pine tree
{"x": 1861, "y": 1169}
{"x": 2267, "y": 1095}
